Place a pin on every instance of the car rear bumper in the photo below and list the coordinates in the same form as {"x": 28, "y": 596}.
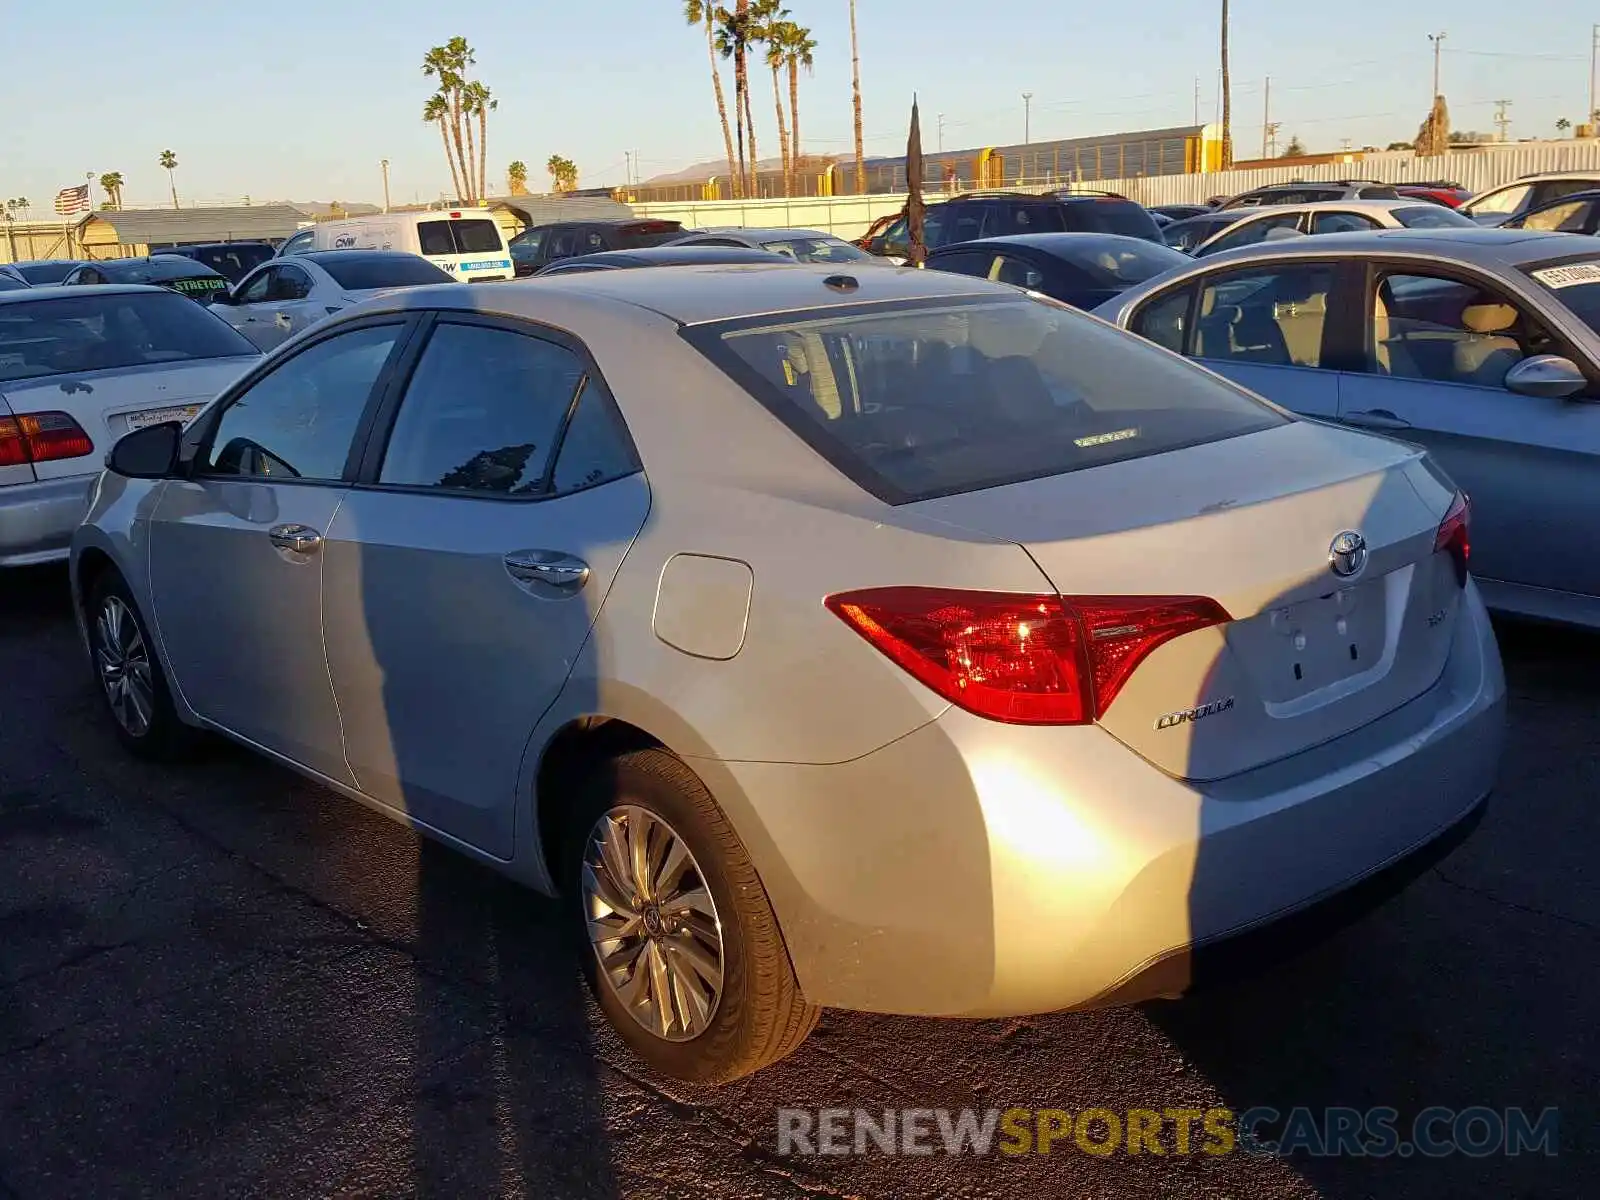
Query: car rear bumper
{"x": 37, "y": 519}
{"x": 979, "y": 869}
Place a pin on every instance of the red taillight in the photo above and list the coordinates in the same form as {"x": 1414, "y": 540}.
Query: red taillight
{"x": 1455, "y": 535}
{"x": 1025, "y": 660}
{"x": 41, "y": 437}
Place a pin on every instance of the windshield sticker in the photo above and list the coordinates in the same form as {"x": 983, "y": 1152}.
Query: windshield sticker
{"x": 1569, "y": 276}
{"x": 1101, "y": 439}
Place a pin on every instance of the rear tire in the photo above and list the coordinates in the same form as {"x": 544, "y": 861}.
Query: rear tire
{"x": 699, "y": 982}
{"x": 128, "y": 673}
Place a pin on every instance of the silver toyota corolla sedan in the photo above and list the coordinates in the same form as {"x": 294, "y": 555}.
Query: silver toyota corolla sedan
{"x": 1481, "y": 344}
{"x": 894, "y": 641}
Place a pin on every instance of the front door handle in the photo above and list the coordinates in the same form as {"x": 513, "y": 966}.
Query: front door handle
{"x": 1375, "y": 418}
{"x": 547, "y": 572}
{"x": 302, "y": 539}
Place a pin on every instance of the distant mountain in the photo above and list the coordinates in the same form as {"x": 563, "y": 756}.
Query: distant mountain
{"x": 321, "y": 208}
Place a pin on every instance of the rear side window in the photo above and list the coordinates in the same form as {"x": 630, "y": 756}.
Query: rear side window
{"x": 647, "y": 233}
{"x": 924, "y": 401}
{"x": 1431, "y": 216}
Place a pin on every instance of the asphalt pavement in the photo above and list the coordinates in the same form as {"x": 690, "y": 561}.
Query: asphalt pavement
{"x": 220, "y": 980}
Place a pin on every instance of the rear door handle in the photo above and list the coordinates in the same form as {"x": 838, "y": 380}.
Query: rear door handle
{"x": 547, "y": 572}
{"x": 1375, "y": 418}
{"x": 302, "y": 539}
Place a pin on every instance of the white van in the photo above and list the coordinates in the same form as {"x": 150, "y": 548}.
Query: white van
{"x": 467, "y": 242}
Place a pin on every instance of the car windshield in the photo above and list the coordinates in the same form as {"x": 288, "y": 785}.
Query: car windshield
{"x": 45, "y": 272}
{"x": 471, "y": 236}
{"x": 1575, "y": 285}
{"x": 157, "y": 270}
{"x": 1110, "y": 216}
{"x": 357, "y": 272}
{"x": 235, "y": 262}
{"x": 921, "y": 401}
{"x": 1506, "y": 200}
{"x": 816, "y": 250}
{"x": 73, "y": 332}
{"x": 1114, "y": 263}
{"x": 8, "y": 284}
{"x": 1430, "y": 216}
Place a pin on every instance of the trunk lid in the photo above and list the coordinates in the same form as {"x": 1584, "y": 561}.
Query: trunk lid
{"x": 108, "y": 404}
{"x": 1248, "y": 522}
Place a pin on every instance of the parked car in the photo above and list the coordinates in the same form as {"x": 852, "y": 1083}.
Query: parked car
{"x": 989, "y": 614}
{"x": 279, "y": 299}
{"x": 232, "y": 260}
{"x": 1498, "y": 205}
{"x": 541, "y": 245}
{"x": 802, "y": 245}
{"x": 38, "y": 271}
{"x": 866, "y": 240}
{"x": 1001, "y": 214}
{"x": 670, "y": 255}
{"x": 466, "y": 243}
{"x": 1342, "y": 216}
{"x": 1187, "y": 235}
{"x": 1576, "y": 212}
{"x": 1451, "y": 195}
{"x": 1180, "y": 212}
{"x": 1080, "y": 269}
{"x": 301, "y": 242}
{"x": 10, "y": 283}
{"x": 172, "y": 271}
{"x": 1314, "y": 192}
{"x": 79, "y": 368}
{"x": 1479, "y": 344}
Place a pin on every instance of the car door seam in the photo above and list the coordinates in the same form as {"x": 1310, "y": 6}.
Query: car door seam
{"x": 322, "y": 638}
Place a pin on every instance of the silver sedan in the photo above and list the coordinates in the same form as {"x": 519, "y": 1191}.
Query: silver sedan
{"x": 1481, "y": 345}
{"x": 890, "y": 640}
{"x": 279, "y": 299}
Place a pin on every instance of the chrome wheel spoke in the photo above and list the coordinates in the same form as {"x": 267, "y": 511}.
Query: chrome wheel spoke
{"x": 660, "y": 989}
{"x": 693, "y": 960}
{"x": 695, "y": 901}
{"x": 602, "y": 887}
{"x": 665, "y": 878}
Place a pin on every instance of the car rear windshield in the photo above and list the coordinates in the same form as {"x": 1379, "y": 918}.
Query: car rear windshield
{"x": 816, "y": 250}
{"x": 233, "y": 261}
{"x": 1431, "y": 216}
{"x": 472, "y": 236}
{"x": 647, "y": 233}
{"x": 1113, "y": 263}
{"x": 357, "y": 272}
{"x": 8, "y": 284}
{"x": 158, "y": 270}
{"x": 1110, "y": 216}
{"x": 1575, "y": 284}
{"x": 74, "y": 332}
{"x": 921, "y": 400}
{"x": 47, "y": 272}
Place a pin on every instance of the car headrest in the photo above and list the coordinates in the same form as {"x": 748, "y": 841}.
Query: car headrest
{"x": 1488, "y": 318}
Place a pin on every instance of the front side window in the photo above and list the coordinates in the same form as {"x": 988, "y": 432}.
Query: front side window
{"x": 259, "y": 287}
{"x": 1252, "y": 232}
{"x": 1017, "y": 272}
{"x": 1553, "y": 189}
{"x": 299, "y": 421}
{"x": 1273, "y": 317}
{"x": 1570, "y": 217}
{"x": 1448, "y": 330}
{"x": 293, "y": 284}
{"x": 482, "y": 412}
{"x": 964, "y": 262}
{"x": 298, "y": 244}
{"x": 1341, "y": 222}
{"x": 1506, "y": 200}
{"x": 916, "y": 401}
{"x": 1165, "y": 320}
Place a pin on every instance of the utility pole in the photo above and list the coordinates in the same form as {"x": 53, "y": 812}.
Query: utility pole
{"x": 941, "y": 131}
{"x": 1438, "y": 44}
{"x": 1027, "y": 117}
{"x": 1266, "y": 119}
{"x": 1594, "y": 59}
{"x": 627, "y": 169}
{"x": 1197, "y": 99}
{"x": 384, "y": 163}
{"x": 1500, "y": 117}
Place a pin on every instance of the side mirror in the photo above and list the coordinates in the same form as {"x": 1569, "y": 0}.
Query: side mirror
{"x": 1547, "y": 376}
{"x": 148, "y": 453}
{"x": 223, "y": 296}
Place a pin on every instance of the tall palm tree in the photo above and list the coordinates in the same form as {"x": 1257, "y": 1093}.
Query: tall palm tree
{"x": 1227, "y": 96}
{"x": 169, "y": 164}
{"x": 450, "y": 63}
{"x": 798, "y": 47}
{"x": 855, "y": 91}
{"x": 517, "y": 177}
{"x": 735, "y": 35}
{"x": 774, "y": 35}
{"x": 703, "y": 12}
{"x": 478, "y": 101}
{"x": 111, "y": 183}
{"x": 438, "y": 109}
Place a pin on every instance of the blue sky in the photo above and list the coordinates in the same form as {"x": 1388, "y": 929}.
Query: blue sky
{"x": 283, "y": 103}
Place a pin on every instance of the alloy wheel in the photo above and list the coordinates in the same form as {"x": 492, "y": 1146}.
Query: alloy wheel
{"x": 123, "y": 661}
{"x": 652, "y": 923}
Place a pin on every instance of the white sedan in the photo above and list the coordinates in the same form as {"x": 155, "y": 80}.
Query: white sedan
{"x": 279, "y": 299}
{"x": 1277, "y": 221}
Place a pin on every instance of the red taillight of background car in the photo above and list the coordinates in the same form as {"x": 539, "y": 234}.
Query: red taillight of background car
{"x": 1021, "y": 659}
{"x": 1455, "y": 535}
{"x": 41, "y": 437}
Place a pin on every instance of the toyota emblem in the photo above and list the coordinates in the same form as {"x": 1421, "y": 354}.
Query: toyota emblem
{"x": 1347, "y": 554}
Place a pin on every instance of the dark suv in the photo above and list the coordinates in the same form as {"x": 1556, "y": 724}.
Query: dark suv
{"x": 1006, "y": 214}
{"x": 1315, "y": 192}
{"x": 540, "y": 245}
{"x": 233, "y": 260}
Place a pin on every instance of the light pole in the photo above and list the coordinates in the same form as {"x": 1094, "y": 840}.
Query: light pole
{"x": 1027, "y": 117}
{"x": 384, "y": 163}
{"x": 1438, "y": 44}
{"x": 941, "y": 131}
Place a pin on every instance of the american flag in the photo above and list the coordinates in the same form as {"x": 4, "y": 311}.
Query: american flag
{"x": 72, "y": 200}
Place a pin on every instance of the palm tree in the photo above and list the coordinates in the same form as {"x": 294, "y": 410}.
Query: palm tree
{"x": 438, "y": 109}
{"x": 111, "y": 182}
{"x": 477, "y": 101}
{"x": 798, "y": 47}
{"x": 449, "y": 63}
{"x": 855, "y": 90}
{"x": 774, "y": 36}
{"x": 703, "y": 12}
{"x": 736, "y": 33}
{"x": 517, "y": 177}
{"x": 563, "y": 171}
{"x": 1563, "y": 125}
{"x": 1227, "y": 96}
{"x": 169, "y": 164}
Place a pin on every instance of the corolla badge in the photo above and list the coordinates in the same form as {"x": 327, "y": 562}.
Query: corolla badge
{"x": 1187, "y": 716}
{"x": 1347, "y": 554}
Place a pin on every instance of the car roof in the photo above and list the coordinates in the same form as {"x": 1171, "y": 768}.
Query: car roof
{"x": 1351, "y": 205}
{"x": 674, "y": 255}
{"x": 1553, "y": 175}
{"x": 322, "y": 256}
{"x": 96, "y": 289}
{"x": 43, "y": 262}
{"x": 1051, "y": 242}
{"x": 693, "y": 295}
{"x": 1484, "y": 247}
{"x": 759, "y": 233}
{"x": 211, "y": 246}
